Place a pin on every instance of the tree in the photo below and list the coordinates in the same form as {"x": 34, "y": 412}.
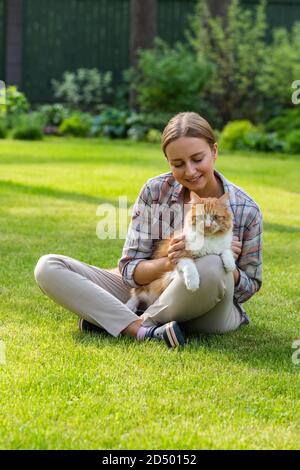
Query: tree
{"x": 143, "y": 28}
{"x": 219, "y": 7}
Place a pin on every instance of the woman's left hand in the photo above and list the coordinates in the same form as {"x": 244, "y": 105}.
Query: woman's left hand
{"x": 236, "y": 247}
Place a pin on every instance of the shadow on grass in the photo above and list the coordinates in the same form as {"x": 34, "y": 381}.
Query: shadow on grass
{"x": 55, "y": 193}
{"x": 269, "y": 227}
{"x": 256, "y": 346}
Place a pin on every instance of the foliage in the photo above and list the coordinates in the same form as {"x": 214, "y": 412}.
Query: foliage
{"x": 236, "y": 48}
{"x": 121, "y": 93}
{"x": 157, "y": 120}
{"x": 28, "y": 126}
{"x": 111, "y": 123}
{"x": 280, "y": 62}
{"x": 288, "y": 121}
{"x": 16, "y": 102}
{"x": 264, "y": 141}
{"x": 78, "y": 125}
{"x": 86, "y": 89}
{"x": 153, "y": 136}
{"x": 54, "y": 113}
{"x": 137, "y": 132}
{"x": 169, "y": 80}
{"x": 115, "y": 123}
{"x": 3, "y": 128}
{"x": 234, "y": 134}
{"x": 293, "y": 141}
{"x": 280, "y": 135}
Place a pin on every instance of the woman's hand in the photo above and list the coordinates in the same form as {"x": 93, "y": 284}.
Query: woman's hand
{"x": 176, "y": 250}
{"x": 236, "y": 247}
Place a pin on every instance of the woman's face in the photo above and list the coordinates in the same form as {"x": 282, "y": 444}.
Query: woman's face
{"x": 192, "y": 162}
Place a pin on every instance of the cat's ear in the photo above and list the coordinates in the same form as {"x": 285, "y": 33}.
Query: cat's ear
{"x": 224, "y": 199}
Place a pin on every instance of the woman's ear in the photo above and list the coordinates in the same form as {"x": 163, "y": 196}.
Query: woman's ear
{"x": 215, "y": 151}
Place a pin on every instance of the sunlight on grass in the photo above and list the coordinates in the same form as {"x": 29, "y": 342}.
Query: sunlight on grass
{"x": 60, "y": 389}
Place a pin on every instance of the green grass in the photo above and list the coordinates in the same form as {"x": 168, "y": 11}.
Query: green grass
{"x": 61, "y": 389}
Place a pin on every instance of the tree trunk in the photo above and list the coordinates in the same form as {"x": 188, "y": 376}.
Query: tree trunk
{"x": 143, "y": 28}
{"x": 13, "y": 52}
{"x": 219, "y": 7}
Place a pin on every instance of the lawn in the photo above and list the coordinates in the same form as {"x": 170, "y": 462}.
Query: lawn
{"x": 62, "y": 389}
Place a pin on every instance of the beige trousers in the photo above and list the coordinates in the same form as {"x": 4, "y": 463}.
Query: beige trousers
{"x": 99, "y": 296}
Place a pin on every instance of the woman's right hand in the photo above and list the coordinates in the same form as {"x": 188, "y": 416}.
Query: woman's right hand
{"x": 176, "y": 250}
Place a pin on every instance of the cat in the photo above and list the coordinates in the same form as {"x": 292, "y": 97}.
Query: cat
{"x": 208, "y": 229}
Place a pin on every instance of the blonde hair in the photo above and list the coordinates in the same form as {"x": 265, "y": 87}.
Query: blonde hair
{"x": 187, "y": 124}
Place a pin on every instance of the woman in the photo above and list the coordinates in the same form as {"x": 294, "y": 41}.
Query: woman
{"x": 99, "y": 296}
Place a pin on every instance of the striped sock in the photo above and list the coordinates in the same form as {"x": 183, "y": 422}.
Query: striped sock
{"x": 147, "y": 332}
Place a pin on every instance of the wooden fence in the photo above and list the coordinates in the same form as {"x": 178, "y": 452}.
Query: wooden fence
{"x": 59, "y": 35}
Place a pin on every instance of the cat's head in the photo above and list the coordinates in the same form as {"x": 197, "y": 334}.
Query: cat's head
{"x": 215, "y": 212}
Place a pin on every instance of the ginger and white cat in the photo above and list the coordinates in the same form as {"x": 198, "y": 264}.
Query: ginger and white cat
{"x": 208, "y": 230}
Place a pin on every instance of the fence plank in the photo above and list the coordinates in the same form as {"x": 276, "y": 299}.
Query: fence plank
{"x": 65, "y": 35}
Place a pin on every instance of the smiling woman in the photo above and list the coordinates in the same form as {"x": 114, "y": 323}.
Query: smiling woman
{"x": 99, "y": 296}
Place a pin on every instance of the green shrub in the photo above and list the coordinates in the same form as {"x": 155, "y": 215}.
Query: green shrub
{"x": 236, "y": 47}
{"x": 281, "y": 61}
{"x": 113, "y": 123}
{"x": 156, "y": 120}
{"x": 264, "y": 141}
{"x": 3, "y": 128}
{"x": 86, "y": 89}
{"x": 137, "y": 132}
{"x": 293, "y": 141}
{"x": 153, "y": 136}
{"x": 16, "y": 102}
{"x": 28, "y": 132}
{"x": 233, "y": 136}
{"x": 54, "y": 113}
{"x": 288, "y": 121}
{"x": 78, "y": 125}
{"x": 169, "y": 79}
{"x": 28, "y": 127}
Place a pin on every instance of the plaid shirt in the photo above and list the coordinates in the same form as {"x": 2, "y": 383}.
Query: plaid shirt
{"x": 165, "y": 191}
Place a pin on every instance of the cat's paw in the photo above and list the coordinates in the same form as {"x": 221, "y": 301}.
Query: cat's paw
{"x": 192, "y": 281}
{"x": 228, "y": 261}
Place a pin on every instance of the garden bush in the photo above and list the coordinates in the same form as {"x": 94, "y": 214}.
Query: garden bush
{"x": 264, "y": 141}
{"x": 169, "y": 79}
{"x": 115, "y": 123}
{"x": 157, "y": 120}
{"x": 54, "y": 113}
{"x": 249, "y": 74}
{"x": 236, "y": 47}
{"x": 293, "y": 141}
{"x": 3, "y": 128}
{"x": 233, "y": 136}
{"x": 28, "y": 127}
{"x": 85, "y": 89}
{"x": 283, "y": 124}
{"x": 16, "y": 102}
{"x": 153, "y": 136}
{"x": 111, "y": 123}
{"x": 77, "y": 125}
{"x": 281, "y": 61}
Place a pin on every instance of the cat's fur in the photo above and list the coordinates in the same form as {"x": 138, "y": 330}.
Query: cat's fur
{"x": 210, "y": 217}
